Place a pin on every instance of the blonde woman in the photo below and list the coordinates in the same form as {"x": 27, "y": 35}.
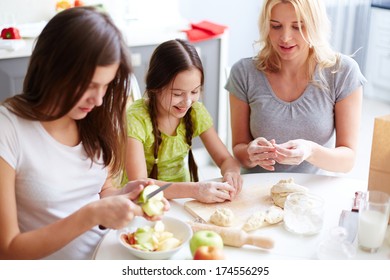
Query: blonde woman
{"x": 296, "y": 106}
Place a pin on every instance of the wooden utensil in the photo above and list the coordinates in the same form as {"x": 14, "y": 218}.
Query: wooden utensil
{"x": 234, "y": 236}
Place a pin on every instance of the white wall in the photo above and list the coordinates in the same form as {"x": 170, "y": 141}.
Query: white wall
{"x": 239, "y": 15}
{"x": 27, "y": 10}
{"x": 37, "y": 10}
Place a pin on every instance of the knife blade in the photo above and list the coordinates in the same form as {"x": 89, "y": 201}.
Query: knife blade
{"x": 153, "y": 193}
{"x": 350, "y": 219}
{"x": 149, "y": 196}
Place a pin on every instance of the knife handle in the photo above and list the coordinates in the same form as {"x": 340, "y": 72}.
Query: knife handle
{"x": 259, "y": 241}
{"x": 356, "y": 201}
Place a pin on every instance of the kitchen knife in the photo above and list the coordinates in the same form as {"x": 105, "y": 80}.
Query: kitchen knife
{"x": 350, "y": 219}
{"x": 149, "y": 196}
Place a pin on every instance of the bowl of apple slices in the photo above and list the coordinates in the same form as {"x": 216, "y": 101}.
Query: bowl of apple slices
{"x": 154, "y": 240}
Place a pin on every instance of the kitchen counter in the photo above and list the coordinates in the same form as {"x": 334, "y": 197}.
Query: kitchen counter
{"x": 134, "y": 38}
{"x": 24, "y": 51}
{"x": 336, "y": 191}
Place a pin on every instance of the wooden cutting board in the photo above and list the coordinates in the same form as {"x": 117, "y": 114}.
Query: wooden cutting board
{"x": 250, "y": 200}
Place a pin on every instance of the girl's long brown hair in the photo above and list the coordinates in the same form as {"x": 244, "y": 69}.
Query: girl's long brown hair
{"x": 167, "y": 61}
{"x": 62, "y": 65}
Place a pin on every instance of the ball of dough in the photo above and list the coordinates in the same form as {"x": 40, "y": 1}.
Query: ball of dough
{"x": 282, "y": 189}
{"x": 222, "y": 217}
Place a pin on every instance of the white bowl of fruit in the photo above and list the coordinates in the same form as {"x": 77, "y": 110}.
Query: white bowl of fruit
{"x": 155, "y": 240}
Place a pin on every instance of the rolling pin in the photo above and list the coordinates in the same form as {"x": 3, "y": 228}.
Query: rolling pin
{"x": 234, "y": 236}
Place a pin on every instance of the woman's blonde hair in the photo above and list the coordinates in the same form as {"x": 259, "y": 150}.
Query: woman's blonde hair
{"x": 312, "y": 14}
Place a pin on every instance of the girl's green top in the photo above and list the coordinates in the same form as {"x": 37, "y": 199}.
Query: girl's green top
{"x": 173, "y": 150}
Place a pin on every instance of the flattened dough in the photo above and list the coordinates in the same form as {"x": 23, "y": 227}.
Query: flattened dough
{"x": 274, "y": 215}
{"x": 260, "y": 219}
{"x": 255, "y": 221}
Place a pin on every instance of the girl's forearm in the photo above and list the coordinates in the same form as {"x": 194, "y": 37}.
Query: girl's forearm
{"x": 180, "y": 190}
{"x": 230, "y": 165}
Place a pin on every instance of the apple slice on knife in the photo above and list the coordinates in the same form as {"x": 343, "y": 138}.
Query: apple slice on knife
{"x": 152, "y": 206}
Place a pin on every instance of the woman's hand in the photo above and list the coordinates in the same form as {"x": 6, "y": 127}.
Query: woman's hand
{"x": 233, "y": 179}
{"x": 210, "y": 192}
{"x": 131, "y": 188}
{"x": 263, "y": 153}
{"x": 118, "y": 210}
{"x": 167, "y": 206}
{"x": 293, "y": 152}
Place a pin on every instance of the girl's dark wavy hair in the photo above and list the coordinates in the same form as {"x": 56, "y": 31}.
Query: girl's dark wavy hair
{"x": 62, "y": 65}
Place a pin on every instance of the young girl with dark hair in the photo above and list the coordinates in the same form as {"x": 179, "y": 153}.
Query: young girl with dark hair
{"x": 62, "y": 138}
{"x": 161, "y": 128}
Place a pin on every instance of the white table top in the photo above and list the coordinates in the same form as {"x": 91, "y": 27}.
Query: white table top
{"x": 337, "y": 192}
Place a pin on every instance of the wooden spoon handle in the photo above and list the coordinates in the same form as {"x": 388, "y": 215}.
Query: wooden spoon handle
{"x": 259, "y": 241}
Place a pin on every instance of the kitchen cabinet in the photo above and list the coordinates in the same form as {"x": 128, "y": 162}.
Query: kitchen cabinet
{"x": 212, "y": 53}
{"x": 12, "y": 72}
{"x": 378, "y": 58}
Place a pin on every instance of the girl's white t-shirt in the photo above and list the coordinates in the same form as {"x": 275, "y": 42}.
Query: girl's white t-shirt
{"x": 52, "y": 180}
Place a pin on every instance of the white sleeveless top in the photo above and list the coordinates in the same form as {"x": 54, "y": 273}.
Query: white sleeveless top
{"x": 52, "y": 180}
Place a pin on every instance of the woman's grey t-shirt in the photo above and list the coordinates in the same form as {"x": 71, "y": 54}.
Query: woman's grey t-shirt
{"x": 309, "y": 117}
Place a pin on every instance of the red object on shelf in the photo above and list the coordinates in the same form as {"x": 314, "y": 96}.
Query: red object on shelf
{"x": 10, "y": 33}
{"x": 204, "y": 30}
{"x": 210, "y": 27}
{"x": 78, "y": 3}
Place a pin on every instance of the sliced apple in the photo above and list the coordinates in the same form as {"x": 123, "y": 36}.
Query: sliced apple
{"x": 168, "y": 244}
{"x": 154, "y": 206}
{"x": 145, "y": 239}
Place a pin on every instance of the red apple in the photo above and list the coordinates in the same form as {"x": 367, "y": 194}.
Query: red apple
{"x": 209, "y": 253}
{"x": 205, "y": 238}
